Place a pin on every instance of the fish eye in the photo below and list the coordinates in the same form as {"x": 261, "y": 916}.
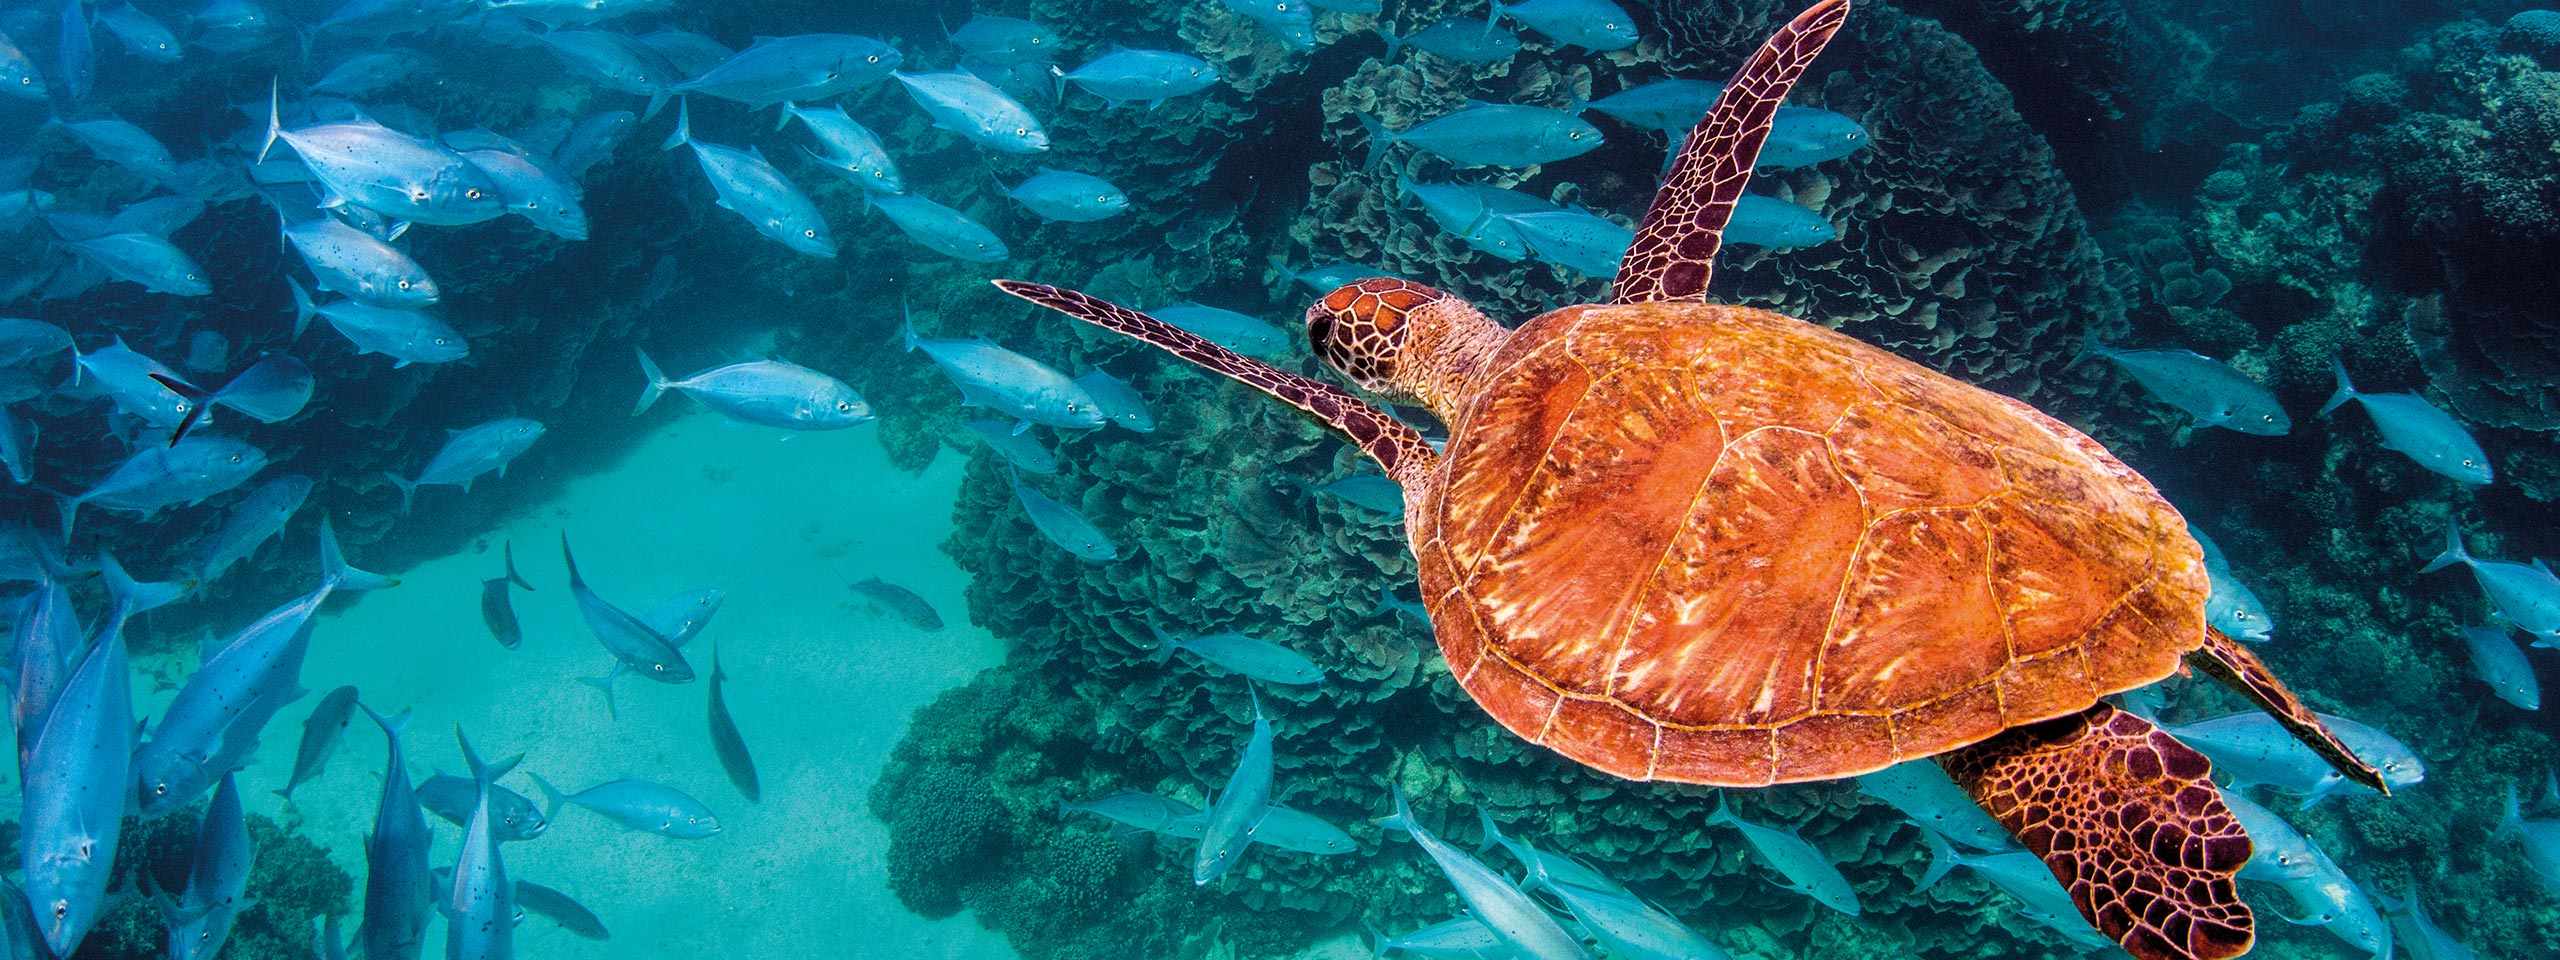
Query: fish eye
{"x": 874, "y": 58}
{"x": 235, "y": 458}
{"x": 811, "y": 234}
{"x": 418, "y": 195}
{"x": 473, "y": 193}
{"x": 61, "y": 909}
{"x": 159, "y": 789}
{"x": 841, "y": 405}
{"x": 404, "y": 284}
{"x": 440, "y": 341}
{"x": 1021, "y": 131}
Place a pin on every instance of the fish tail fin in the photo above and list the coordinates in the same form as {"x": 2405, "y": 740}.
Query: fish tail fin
{"x": 1493, "y": 15}
{"x": 1057, "y": 86}
{"x": 199, "y": 404}
{"x": 408, "y": 490}
{"x": 2089, "y": 346}
{"x": 70, "y": 514}
{"x": 907, "y": 326}
{"x": 2512, "y": 821}
{"x": 512, "y": 576}
{"x": 1942, "y": 857}
{"x": 1723, "y": 813}
{"x": 657, "y": 101}
{"x": 551, "y": 798}
{"x": 1492, "y": 831}
{"x": 656, "y": 386}
{"x": 2453, "y": 550}
{"x": 1163, "y": 650}
{"x": 604, "y": 685}
{"x": 303, "y": 311}
{"x": 2346, "y": 388}
{"x": 483, "y": 771}
{"x": 1379, "y": 140}
{"x": 1394, "y": 43}
{"x": 575, "y": 581}
{"x": 684, "y": 125}
{"x": 275, "y": 122}
{"x": 1403, "y": 818}
{"x": 336, "y": 574}
{"x": 717, "y": 674}
{"x": 391, "y": 725}
{"x": 789, "y": 110}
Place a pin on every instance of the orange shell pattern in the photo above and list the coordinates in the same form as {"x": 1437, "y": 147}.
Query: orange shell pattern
{"x": 1719, "y": 545}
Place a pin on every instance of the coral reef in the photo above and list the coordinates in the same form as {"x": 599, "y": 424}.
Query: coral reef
{"x": 293, "y": 883}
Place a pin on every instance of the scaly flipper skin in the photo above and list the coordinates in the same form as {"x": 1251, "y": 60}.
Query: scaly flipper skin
{"x": 2226, "y": 660}
{"x": 1675, "y": 249}
{"x": 2129, "y": 820}
{"x": 1398, "y": 448}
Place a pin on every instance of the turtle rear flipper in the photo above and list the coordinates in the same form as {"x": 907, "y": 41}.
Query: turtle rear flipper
{"x": 2226, "y": 660}
{"x": 2129, "y": 820}
{"x": 1398, "y": 448}
{"x": 1674, "y": 252}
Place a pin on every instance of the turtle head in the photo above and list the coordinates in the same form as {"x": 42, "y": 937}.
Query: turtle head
{"x": 1403, "y": 341}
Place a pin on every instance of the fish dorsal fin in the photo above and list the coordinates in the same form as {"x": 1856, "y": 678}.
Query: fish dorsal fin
{"x": 1398, "y": 448}
{"x": 1675, "y": 249}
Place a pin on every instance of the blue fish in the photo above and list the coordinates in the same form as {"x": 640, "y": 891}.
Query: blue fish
{"x": 1922, "y": 791}
{"x": 143, "y": 36}
{"x": 615, "y": 62}
{"x": 24, "y": 340}
{"x": 1007, "y": 382}
{"x": 2497, "y": 661}
{"x": 1547, "y": 871}
{"x": 2526, "y": 595}
{"x": 77, "y": 58}
{"x": 1069, "y": 197}
{"x": 17, "y": 446}
{"x": 371, "y": 70}
{"x": 356, "y": 264}
{"x": 1461, "y": 38}
{"x": 1670, "y": 106}
{"x": 1368, "y": 491}
{"x": 638, "y": 804}
{"x": 321, "y": 730}
{"x": 160, "y": 477}
{"x": 1154, "y": 76}
{"x": 2419, "y": 430}
{"x": 960, "y": 102}
{"x": 1017, "y": 448}
{"x": 18, "y": 75}
{"x": 691, "y": 52}
{"x": 137, "y": 385}
{"x": 1325, "y": 277}
{"x": 75, "y": 785}
{"x": 767, "y": 393}
{"x": 480, "y": 917}
{"x": 470, "y": 452}
{"x": 398, "y": 175}
{"x": 2252, "y": 748}
{"x": 2041, "y": 898}
{"x": 254, "y": 520}
{"x": 677, "y": 619}
{"x": 1119, "y": 401}
{"x": 2209, "y": 389}
{"x": 1804, "y": 136}
{"x": 199, "y": 920}
{"x": 591, "y": 141}
{"x": 1469, "y": 213}
{"x": 2231, "y": 607}
{"x": 47, "y": 634}
{"x": 848, "y": 149}
{"x": 1291, "y": 20}
{"x": 2332, "y": 900}
{"x": 272, "y": 390}
{"x": 1517, "y": 922}
{"x": 406, "y": 336}
{"x": 630, "y": 640}
{"x": 1005, "y": 40}
{"x": 1807, "y": 871}
{"x": 808, "y": 67}
{"x": 151, "y": 261}
{"x": 2278, "y": 853}
{"x": 531, "y": 190}
{"x": 1595, "y": 25}
{"x": 232, "y": 26}
{"x": 1776, "y": 224}
{"x": 1239, "y": 332}
{"x": 751, "y": 188}
{"x": 1258, "y": 659}
{"x": 1491, "y": 135}
{"x": 453, "y": 798}
{"x": 396, "y": 891}
{"x": 1144, "y": 811}
{"x": 1578, "y": 240}
{"x": 1240, "y": 807}
{"x": 941, "y": 229}
{"x": 123, "y": 144}
{"x": 1063, "y": 526}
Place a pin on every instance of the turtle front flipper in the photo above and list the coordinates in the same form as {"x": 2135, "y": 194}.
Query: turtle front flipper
{"x": 2129, "y": 820}
{"x": 1398, "y": 448}
{"x": 2226, "y": 660}
{"x": 1674, "y": 252}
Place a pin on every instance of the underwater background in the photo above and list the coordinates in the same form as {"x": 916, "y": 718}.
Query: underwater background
{"x": 2283, "y": 187}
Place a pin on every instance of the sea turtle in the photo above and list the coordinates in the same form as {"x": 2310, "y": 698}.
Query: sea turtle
{"x": 1675, "y": 540}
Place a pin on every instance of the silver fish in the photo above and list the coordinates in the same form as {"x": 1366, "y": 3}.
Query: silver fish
{"x": 1579, "y": 240}
{"x": 480, "y": 916}
{"x": 533, "y": 192}
{"x": 76, "y": 56}
{"x": 369, "y": 71}
{"x": 1120, "y": 402}
{"x": 144, "y": 36}
{"x": 571, "y": 915}
{"x": 1154, "y": 76}
{"x": 1518, "y": 923}
{"x": 1239, "y": 332}
{"x": 1671, "y": 106}
{"x": 75, "y": 785}
{"x": 1776, "y": 224}
{"x": 1807, "y": 871}
{"x": 592, "y": 141}
{"x": 124, "y": 145}
{"x": 1257, "y": 659}
{"x": 1804, "y": 136}
{"x": 1017, "y": 448}
{"x": 769, "y": 393}
{"x": 630, "y": 640}
{"x": 616, "y": 62}
{"x": 1461, "y": 38}
{"x": 1063, "y": 526}
{"x": 2498, "y": 663}
{"x": 691, "y": 52}
{"x": 1005, "y": 40}
{"x": 452, "y": 799}
{"x": 808, "y": 67}
{"x": 727, "y": 742}
{"x": 1069, "y": 197}
{"x": 2526, "y": 595}
{"x": 1145, "y": 811}
{"x": 1462, "y": 938}
{"x": 1547, "y": 871}
{"x": 1635, "y": 930}
{"x": 2209, "y": 389}
{"x": 137, "y": 385}
{"x": 640, "y": 805}
{"x": 232, "y": 26}
{"x": 497, "y": 605}
{"x": 2041, "y": 898}
{"x": 18, "y": 75}
{"x": 2419, "y": 430}
{"x": 1368, "y": 491}
{"x": 848, "y": 149}
{"x": 2278, "y": 853}
{"x": 406, "y": 336}
{"x": 405, "y": 177}
{"x": 155, "y": 263}
{"x": 17, "y": 446}
{"x": 2413, "y": 929}
{"x": 1922, "y": 791}
{"x": 960, "y": 102}
{"x": 941, "y": 229}
{"x": 199, "y": 921}
{"x": 257, "y": 518}
{"x": 1595, "y": 25}
{"x": 355, "y": 264}
{"x": 1478, "y": 215}
{"x": 396, "y": 891}
{"x": 1291, "y": 20}
{"x": 160, "y": 477}
{"x": 2231, "y": 606}
{"x": 1491, "y": 135}
{"x": 24, "y": 340}
{"x": 320, "y": 733}
{"x": 2252, "y": 748}
{"x": 1007, "y": 382}
{"x": 750, "y": 187}
{"x": 2332, "y": 900}
{"x": 1238, "y": 808}
{"x": 2538, "y": 838}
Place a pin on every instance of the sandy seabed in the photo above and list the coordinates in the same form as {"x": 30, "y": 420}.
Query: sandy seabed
{"x": 821, "y": 688}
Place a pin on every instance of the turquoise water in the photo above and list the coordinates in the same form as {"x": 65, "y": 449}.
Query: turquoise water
{"x": 1151, "y": 661}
